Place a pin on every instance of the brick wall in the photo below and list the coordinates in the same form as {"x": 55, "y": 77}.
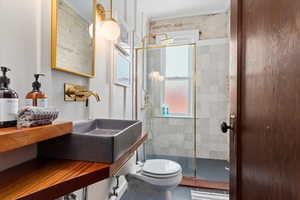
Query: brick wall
{"x": 212, "y": 26}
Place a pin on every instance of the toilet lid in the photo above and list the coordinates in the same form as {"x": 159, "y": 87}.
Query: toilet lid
{"x": 161, "y": 167}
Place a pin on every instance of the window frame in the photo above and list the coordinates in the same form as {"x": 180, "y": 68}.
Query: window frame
{"x": 189, "y": 78}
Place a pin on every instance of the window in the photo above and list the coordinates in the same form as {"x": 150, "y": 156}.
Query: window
{"x": 177, "y": 70}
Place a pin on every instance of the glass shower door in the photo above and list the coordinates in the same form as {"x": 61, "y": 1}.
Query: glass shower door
{"x": 212, "y": 107}
{"x": 170, "y": 101}
{"x": 185, "y": 95}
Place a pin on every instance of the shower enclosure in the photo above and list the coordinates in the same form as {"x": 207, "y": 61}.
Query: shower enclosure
{"x": 182, "y": 98}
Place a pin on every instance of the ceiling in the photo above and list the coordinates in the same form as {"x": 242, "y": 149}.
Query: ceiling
{"x": 172, "y": 8}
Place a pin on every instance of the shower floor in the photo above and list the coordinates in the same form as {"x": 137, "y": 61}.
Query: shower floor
{"x": 207, "y": 169}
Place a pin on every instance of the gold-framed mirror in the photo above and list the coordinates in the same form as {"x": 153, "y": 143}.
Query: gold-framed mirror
{"x": 73, "y": 36}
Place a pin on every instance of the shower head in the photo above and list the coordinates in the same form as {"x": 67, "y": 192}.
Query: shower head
{"x": 166, "y": 41}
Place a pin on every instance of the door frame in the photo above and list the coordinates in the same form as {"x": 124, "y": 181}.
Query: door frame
{"x": 236, "y": 63}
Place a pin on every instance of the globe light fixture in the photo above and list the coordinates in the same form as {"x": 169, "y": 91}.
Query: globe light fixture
{"x": 109, "y": 28}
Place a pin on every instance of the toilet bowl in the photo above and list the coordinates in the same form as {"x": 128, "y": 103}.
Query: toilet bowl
{"x": 154, "y": 179}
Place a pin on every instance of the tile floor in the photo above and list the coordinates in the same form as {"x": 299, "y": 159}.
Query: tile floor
{"x": 180, "y": 193}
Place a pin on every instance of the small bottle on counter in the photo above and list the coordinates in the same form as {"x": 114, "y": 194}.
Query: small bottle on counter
{"x": 36, "y": 97}
{"x": 9, "y": 102}
{"x": 165, "y": 110}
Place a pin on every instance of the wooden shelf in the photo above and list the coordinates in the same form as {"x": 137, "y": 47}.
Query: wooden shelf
{"x": 13, "y": 138}
{"x": 44, "y": 179}
{"x": 49, "y": 179}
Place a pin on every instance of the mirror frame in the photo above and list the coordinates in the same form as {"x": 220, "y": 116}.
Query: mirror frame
{"x": 54, "y": 43}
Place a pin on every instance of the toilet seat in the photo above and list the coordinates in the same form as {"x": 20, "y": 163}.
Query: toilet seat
{"x": 160, "y": 168}
{"x": 160, "y": 176}
{"x": 163, "y": 174}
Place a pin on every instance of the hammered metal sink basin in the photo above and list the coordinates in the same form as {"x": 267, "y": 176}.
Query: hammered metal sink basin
{"x": 99, "y": 140}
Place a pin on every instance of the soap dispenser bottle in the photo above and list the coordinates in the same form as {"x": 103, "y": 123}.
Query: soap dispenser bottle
{"x": 36, "y": 97}
{"x": 9, "y": 102}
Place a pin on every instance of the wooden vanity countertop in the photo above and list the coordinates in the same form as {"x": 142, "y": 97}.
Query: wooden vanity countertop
{"x": 46, "y": 179}
{"x": 13, "y": 138}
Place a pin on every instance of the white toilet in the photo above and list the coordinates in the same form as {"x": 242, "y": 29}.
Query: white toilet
{"x": 154, "y": 178}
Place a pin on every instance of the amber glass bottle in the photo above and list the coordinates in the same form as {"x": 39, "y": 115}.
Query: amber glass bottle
{"x": 9, "y": 102}
{"x": 36, "y": 97}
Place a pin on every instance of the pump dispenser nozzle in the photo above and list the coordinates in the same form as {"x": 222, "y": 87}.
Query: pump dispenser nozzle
{"x": 9, "y": 101}
{"x": 4, "y": 69}
{"x": 36, "y": 84}
{"x": 36, "y": 97}
{"x": 4, "y": 81}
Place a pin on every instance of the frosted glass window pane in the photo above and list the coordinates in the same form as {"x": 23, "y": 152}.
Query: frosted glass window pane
{"x": 177, "y": 96}
{"x": 177, "y": 61}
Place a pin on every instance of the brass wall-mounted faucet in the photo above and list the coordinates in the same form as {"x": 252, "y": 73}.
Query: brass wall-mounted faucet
{"x": 79, "y": 93}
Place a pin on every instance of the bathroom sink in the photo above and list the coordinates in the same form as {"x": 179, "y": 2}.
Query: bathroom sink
{"x": 99, "y": 140}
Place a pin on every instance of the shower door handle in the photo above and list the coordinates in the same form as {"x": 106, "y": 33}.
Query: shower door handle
{"x": 225, "y": 127}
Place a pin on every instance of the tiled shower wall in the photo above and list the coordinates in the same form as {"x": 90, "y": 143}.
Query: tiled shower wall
{"x": 212, "y": 100}
{"x": 174, "y": 135}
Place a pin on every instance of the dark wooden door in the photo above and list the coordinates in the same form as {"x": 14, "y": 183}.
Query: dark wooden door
{"x": 265, "y": 72}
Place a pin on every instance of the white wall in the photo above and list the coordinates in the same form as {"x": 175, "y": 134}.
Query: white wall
{"x": 25, "y": 37}
{"x": 25, "y": 48}
{"x": 116, "y": 100}
{"x": 18, "y": 40}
